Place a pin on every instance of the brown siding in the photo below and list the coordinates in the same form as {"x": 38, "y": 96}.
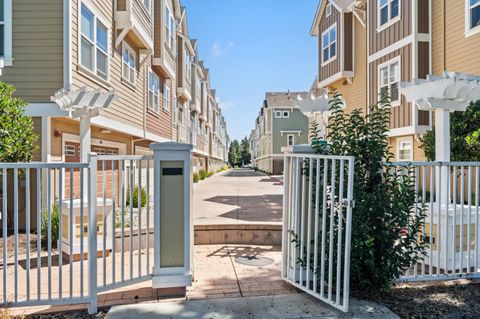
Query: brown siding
{"x": 461, "y": 54}
{"x": 158, "y": 28}
{"x": 400, "y": 115}
{"x": 37, "y": 70}
{"x": 423, "y": 117}
{"x": 423, "y": 18}
{"x": 423, "y": 60}
{"x": 392, "y": 34}
{"x": 121, "y": 5}
{"x": 161, "y": 123}
{"x": 325, "y": 22}
{"x": 348, "y": 41}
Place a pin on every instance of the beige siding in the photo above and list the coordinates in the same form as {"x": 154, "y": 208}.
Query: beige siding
{"x": 143, "y": 16}
{"x": 452, "y": 51}
{"x": 37, "y": 70}
{"x": 393, "y": 33}
{"x": 400, "y": 115}
{"x": 333, "y": 67}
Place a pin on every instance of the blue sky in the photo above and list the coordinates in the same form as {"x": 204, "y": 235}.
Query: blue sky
{"x": 251, "y": 47}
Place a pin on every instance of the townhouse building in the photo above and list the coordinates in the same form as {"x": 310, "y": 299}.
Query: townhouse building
{"x": 135, "y": 56}
{"x": 279, "y": 126}
{"x": 373, "y": 45}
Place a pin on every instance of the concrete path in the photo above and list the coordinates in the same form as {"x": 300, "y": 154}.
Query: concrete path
{"x": 239, "y": 196}
{"x": 266, "y": 307}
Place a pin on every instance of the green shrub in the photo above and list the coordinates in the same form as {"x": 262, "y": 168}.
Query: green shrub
{"x": 135, "y": 197}
{"x": 210, "y": 174}
{"x": 385, "y": 222}
{"x": 202, "y": 174}
{"x": 54, "y": 218}
{"x": 196, "y": 178}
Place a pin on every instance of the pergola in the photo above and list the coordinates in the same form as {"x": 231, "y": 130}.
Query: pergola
{"x": 313, "y": 106}
{"x": 84, "y": 104}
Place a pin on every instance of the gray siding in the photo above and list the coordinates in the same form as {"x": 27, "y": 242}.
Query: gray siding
{"x": 296, "y": 121}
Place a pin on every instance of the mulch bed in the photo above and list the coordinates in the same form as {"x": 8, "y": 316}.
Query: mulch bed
{"x": 450, "y": 299}
{"x": 22, "y": 244}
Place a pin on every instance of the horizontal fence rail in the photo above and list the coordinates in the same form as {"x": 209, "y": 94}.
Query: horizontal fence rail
{"x": 318, "y": 201}
{"x": 448, "y": 193}
{"x": 73, "y": 230}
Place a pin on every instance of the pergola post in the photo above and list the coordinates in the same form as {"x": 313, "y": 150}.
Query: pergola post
{"x": 442, "y": 154}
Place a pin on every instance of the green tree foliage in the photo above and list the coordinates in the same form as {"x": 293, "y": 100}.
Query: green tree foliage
{"x": 17, "y": 138}
{"x": 464, "y": 144}
{"x": 135, "y": 197}
{"x": 234, "y": 154}
{"x": 385, "y": 222}
{"x": 245, "y": 151}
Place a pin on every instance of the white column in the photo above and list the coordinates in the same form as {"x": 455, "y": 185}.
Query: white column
{"x": 442, "y": 151}
{"x": 46, "y": 140}
{"x": 85, "y": 146}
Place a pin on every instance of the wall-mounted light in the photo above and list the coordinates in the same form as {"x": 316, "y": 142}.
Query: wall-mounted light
{"x": 57, "y": 133}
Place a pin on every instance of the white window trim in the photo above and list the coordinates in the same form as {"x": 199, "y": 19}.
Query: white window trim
{"x": 330, "y": 59}
{"x": 293, "y": 139}
{"x": 157, "y": 94}
{"x": 107, "y": 24}
{"x": 328, "y": 10}
{"x": 278, "y": 114}
{"x": 390, "y": 22}
{"x": 469, "y": 31}
{"x": 388, "y": 63}
{"x": 170, "y": 34}
{"x": 405, "y": 141}
{"x": 288, "y": 114}
{"x": 125, "y": 45}
{"x": 166, "y": 97}
{"x": 7, "y": 57}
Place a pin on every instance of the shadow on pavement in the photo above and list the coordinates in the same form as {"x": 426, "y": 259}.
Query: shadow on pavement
{"x": 242, "y": 172}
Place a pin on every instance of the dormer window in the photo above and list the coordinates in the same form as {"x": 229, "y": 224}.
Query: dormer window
{"x": 472, "y": 20}
{"x": 329, "y": 44}
{"x": 388, "y": 11}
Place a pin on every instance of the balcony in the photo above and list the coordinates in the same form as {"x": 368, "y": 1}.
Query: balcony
{"x": 135, "y": 20}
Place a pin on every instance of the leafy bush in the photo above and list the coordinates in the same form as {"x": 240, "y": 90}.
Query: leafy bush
{"x": 54, "y": 218}
{"x": 202, "y": 174}
{"x": 135, "y": 197}
{"x": 17, "y": 137}
{"x": 196, "y": 178}
{"x": 210, "y": 174}
{"x": 385, "y": 223}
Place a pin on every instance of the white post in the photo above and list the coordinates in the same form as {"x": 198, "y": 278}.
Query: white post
{"x": 85, "y": 145}
{"x": 46, "y": 151}
{"x": 442, "y": 152}
{"x": 92, "y": 233}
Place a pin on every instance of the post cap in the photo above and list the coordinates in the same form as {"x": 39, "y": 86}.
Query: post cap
{"x": 171, "y": 146}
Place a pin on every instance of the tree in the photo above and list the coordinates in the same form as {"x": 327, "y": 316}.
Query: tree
{"x": 386, "y": 223}
{"x": 17, "y": 137}
{"x": 234, "y": 156}
{"x": 463, "y": 140}
{"x": 245, "y": 151}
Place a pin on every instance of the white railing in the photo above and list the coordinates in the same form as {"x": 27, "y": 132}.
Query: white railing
{"x": 93, "y": 207}
{"x": 318, "y": 201}
{"x": 448, "y": 194}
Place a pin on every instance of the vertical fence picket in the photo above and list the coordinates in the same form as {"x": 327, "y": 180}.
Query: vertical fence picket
{"x": 27, "y": 230}
{"x": 4, "y": 234}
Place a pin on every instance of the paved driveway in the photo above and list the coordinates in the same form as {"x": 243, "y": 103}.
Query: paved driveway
{"x": 239, "y": 196}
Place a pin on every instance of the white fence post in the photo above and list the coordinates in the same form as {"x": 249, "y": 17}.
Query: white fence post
{"x": 92, "y": 233}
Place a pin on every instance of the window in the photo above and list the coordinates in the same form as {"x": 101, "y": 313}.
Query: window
{"x": 148, "y": 5}
{"x": 389, "y": 78}
{"x": 6, "y": 31}
{"x": 387, "y": 11}
{"x": 188, "y": 65}
{"x": 129, "y": 58}
{"x": 290, "y": 139}
{"x": 286, "y": 114}
{"x": 153, "y": 91}
{"x": 169, "y": 29}
{"x": 93, "y": 43}
{"x": 180, "y": 114}
{"x": 69, "y": 150}
{"x": 278, "y": 114}
{"x": 328, "y": 9}
{"x": 472, "y": 19}
{"x": 329, "y": 44}
{"x": 166, "y": 97}
{"x": 404, "y": 150}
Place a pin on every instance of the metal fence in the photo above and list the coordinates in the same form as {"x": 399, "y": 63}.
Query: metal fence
{"x": 318, "y": 201}
{"x": 101, "y": 212}
{"x": 448, "y": 193}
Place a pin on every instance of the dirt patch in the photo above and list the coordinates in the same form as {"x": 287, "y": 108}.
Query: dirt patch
{"x": 452, "y": 299}
{"x": 22, "y": 244}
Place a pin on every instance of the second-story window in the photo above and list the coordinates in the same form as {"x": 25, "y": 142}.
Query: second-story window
{"x": 129, "y": 62}
{"x": 387, "y": 11}
{"x": 153, "y": 92}
{"x": 166, "y": 97}
{"x": 188, "y": 65}
{"x": 473, "y": 18}
{"x": 169, "y": 29}
{"x": 329, "y": 44}
{"x": 94, "y": 43}
{"x": 389, "y": 79}
{"x": 328, "y": 9}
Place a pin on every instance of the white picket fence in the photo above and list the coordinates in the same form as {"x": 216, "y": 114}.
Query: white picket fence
{"x": 318, "y": 201}
{"x": 95, "y": 214}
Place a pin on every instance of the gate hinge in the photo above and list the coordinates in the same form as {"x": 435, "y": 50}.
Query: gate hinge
{"x": 350, "y": 203}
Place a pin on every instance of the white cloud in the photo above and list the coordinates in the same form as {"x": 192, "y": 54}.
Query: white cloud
{"x": 225, "y": 105}
{"x": 218, "y": 49}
